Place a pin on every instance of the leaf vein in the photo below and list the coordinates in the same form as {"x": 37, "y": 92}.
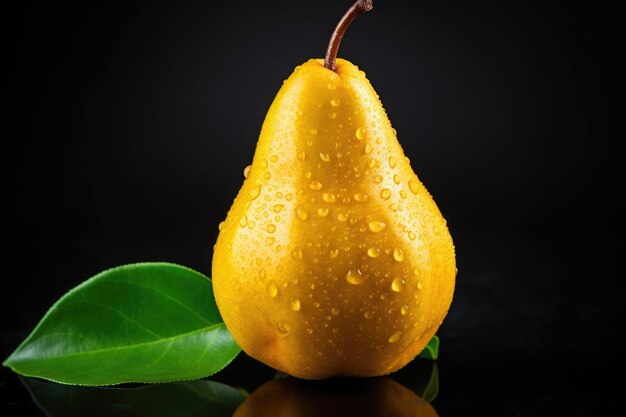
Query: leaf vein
{"x": 170, "y": 297}
{"x": 167, "y": 348}
{"x": 130, "y": 319}
{"x": 206, "y": 348}
{"x": 118, "y": 348}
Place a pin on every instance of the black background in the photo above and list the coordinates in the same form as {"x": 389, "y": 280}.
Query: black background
{"x": 126, "y": 127}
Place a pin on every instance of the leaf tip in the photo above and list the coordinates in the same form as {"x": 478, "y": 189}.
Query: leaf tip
{"x": 7, "y": 362}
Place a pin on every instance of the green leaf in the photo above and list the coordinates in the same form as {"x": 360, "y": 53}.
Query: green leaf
{"x": 145, "y": 322}
{"x": 181, "y": 399}
{"x": 431, "y": 351}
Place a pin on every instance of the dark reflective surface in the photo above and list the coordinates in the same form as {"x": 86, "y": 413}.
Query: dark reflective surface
{"x": 504, "y": 384}
{"x": 280, "y": 396}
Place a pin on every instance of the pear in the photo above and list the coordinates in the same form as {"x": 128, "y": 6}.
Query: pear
{"x": 333, "y": 258}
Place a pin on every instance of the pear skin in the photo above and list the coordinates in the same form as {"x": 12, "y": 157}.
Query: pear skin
{"x": 333, "y": 259}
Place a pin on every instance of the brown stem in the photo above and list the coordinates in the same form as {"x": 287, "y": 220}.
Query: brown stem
{"x": 356, "y": 9}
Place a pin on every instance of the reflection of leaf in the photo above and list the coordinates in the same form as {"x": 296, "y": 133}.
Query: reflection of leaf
{"x": 146, "y": 322}
{"x": 244, "y": 392}
{"x": 432, "y": 387}
{"x": 421, "y": 377}
{"x": 431, "y": 351}
{"x": 180, "y": 399}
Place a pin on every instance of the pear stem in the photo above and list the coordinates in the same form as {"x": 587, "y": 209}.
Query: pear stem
{"x": 356, "y": 9}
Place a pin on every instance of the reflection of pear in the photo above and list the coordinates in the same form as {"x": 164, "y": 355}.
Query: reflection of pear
{"x": 333, "y": 259}
{"x": 180, "y": 399}
{"x": 375, "y": 397}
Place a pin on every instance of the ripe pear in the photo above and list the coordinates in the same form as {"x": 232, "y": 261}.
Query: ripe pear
{"x": 333, "y": 259}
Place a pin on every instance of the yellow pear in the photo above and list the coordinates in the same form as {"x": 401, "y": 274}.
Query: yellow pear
{"x": 333, "y": 259}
